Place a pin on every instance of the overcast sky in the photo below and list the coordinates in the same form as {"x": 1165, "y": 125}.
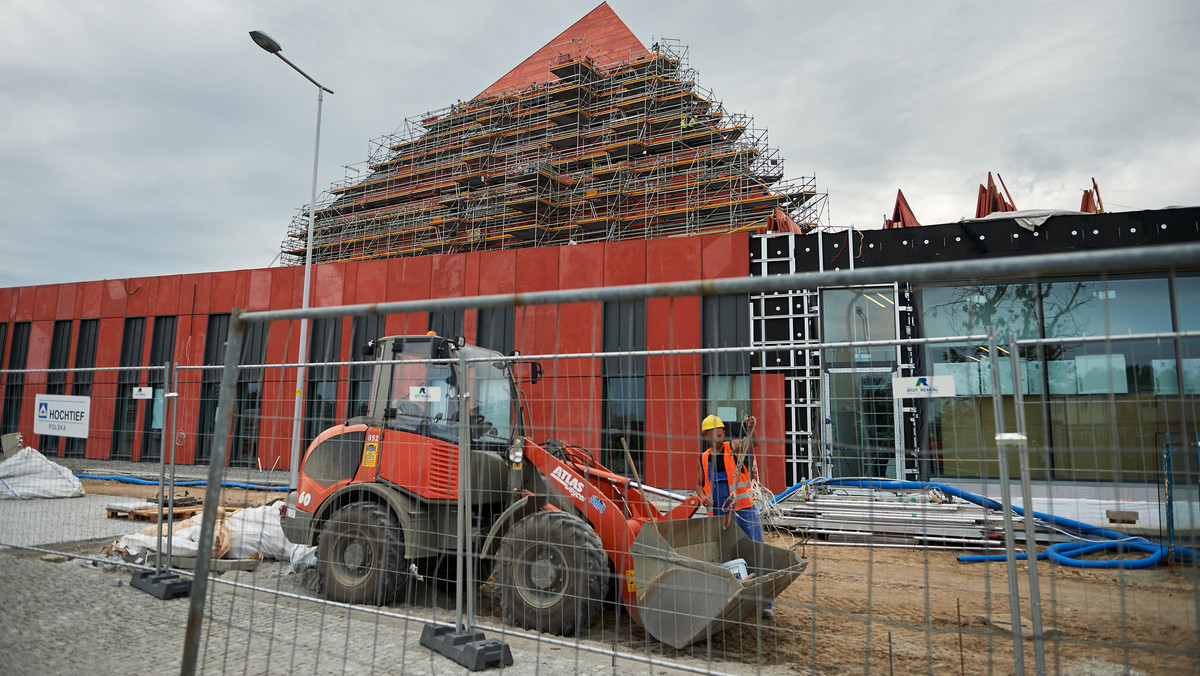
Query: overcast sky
{"x": 143, "y": 137}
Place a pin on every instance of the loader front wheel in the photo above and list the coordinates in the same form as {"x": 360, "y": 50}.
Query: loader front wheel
{"x": 360, "y": 555}
{"x": 552, "y": 572}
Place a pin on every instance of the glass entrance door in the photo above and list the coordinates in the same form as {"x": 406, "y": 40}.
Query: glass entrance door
{"x": 860, "y": 424}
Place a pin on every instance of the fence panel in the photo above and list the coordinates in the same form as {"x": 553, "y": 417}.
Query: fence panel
{"x": 938, "y": 415}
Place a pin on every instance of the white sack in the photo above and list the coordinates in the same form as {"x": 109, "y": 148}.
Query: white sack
{"x": 258, "y": 530}
{"x": 29, "y": 474}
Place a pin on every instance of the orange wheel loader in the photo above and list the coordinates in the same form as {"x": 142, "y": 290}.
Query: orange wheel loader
{"x": 377, "y": 495}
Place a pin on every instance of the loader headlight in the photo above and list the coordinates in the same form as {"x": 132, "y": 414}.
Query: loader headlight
{"x": 516, "y": 451}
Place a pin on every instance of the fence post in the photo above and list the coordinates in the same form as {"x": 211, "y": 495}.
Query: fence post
{"x": 212, "y": 493}
{"x": 1010, "y": 562}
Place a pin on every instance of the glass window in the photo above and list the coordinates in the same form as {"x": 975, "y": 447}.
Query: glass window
{"x": 446, "y": 323}
{"x": 210, "y": 383}
{"x": 81, "y": 385}
{"x": 858, "y": 315}
{"x": 725, "y": 323}
{"x": 247, "y": 409}
{"x": 1086, "y": 403}
{"x": 56, "y": 382}
{"x": 969, "y": 310}
{"x": 495, "y": 329}
{"x": 1111, "y": 307}
{"x": 321, "y": 409}
{"x": 363, "y": 330}
{"x": 624, "y": 388}
{"x": 162, "y": 350}
{"x": 1187, "y": 303}
{"x": 130, "y": 376}
{"x": 14, "y": 386}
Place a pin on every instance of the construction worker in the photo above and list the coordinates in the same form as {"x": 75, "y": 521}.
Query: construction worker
{"x": 718, "y": 475}
{"x": 725, "y": 480}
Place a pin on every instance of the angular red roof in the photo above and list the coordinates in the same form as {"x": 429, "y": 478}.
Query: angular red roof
{"x": 600, "y": 36}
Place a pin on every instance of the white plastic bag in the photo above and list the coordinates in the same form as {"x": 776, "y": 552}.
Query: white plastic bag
{"x": 257, "y": 530}
{"x": 29, "y": 474}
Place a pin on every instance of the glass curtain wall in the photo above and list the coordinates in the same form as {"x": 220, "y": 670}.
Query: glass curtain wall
{"x": 1097, "y": 410}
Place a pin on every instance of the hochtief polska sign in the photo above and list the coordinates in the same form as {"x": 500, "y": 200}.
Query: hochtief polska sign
{"x": 62, "y": 415}
{"x": 923, "y": 387}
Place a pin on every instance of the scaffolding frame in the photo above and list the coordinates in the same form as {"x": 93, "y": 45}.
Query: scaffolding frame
{"x": 611, "y": 147}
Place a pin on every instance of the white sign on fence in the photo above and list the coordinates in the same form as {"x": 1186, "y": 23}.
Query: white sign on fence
{"x": 62, "y": 415}
{"x": 143, "y": 393}
{"x": 923, "y": 387}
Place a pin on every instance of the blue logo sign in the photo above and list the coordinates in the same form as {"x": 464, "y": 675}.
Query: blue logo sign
{"x": 43, "y": 411}
{"x": 922, "y": 382}
{"x": 595, "y": 502}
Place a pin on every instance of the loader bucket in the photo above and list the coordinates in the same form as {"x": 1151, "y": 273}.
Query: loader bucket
{"x": 684, "y": 593}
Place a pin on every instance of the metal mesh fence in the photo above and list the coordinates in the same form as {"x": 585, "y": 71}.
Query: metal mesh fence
{"x": 970, "y": 410}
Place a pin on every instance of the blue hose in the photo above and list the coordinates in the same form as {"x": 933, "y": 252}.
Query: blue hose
{"x": 1063, "y": 553}
{"x": 182, "y": 484}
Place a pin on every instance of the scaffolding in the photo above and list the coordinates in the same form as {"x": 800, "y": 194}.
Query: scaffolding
{"x": 610, "y": 147}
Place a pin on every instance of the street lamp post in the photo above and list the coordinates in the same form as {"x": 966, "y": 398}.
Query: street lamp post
{"x": 270, "y": 45}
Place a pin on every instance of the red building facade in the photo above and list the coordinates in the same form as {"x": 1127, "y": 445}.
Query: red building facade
{"x": 60, "y": 326}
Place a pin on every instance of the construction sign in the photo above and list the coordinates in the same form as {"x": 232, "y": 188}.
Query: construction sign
{"x": 62, "y": 415}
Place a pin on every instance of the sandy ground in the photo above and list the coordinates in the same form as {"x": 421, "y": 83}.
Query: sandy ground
{"x": 922, "y": 611}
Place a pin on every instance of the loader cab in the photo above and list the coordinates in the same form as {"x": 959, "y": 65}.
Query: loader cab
{"x": 426, "y": 384}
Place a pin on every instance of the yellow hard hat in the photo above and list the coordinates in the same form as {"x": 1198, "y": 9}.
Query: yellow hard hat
{"x": 711, "y": 422}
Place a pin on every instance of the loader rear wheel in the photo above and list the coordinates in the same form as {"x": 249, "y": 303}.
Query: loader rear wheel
{"x": 360, "y": 555}
{"x": 552, "y": 572}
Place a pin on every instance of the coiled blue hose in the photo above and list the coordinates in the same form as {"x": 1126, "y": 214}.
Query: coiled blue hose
{"x": 182, "y": 484}
{"x": 1063, "y": 553}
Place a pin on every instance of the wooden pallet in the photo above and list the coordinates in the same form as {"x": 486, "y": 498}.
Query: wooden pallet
{"x": 150, "y": 513}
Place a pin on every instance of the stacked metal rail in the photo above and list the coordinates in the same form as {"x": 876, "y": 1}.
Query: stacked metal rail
{"x": 909, "y": 518}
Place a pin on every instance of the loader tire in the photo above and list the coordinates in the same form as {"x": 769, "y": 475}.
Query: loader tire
{"x": 360, "y": 555}
{"x": 552, "y": 573}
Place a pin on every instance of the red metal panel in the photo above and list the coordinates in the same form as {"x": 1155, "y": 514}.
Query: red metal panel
{"x": 498, "y": 272}
{"x": 767, "y": 401}
{"x": 45, "y": 299}
{"x": 726, "y": 255}
{"x": 370, "y": 282}
{"x": 104, "y": 387}
{"x": 410, "y": 278}
{"x": 115, "y": 299}
{"x": 258, "y": 295}
{"x": 23, "y": 306}
{"x": 448, "y": 276}
{"x": 623, "y": 262}
{"x": 6, "y": 304}
{"x": 224, "y": 292}
{"x": 585, "y": 265}
{"x": 328, "y": 285}
{"x": 673, "y": 260}
{"x": 537, "y": 269}
{"x": 573, "y": 402}
{"x": 673, "y": 414}
{"x": 194, "y": 294}
{"x": 38, "y": 357}
{"x": 673, "y": 323}
{"x": 138, "y": 304}
{"x": 88, "y": 302}
{"x": 166, "y": 295}
{"x": 64, "y": 306}
{"x": 283, "y": 282}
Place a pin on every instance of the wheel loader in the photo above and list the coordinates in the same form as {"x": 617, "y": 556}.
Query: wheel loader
{"x": 377, "y": 495}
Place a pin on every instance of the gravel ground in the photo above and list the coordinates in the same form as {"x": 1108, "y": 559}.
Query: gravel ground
{"x": 81, "y": 615}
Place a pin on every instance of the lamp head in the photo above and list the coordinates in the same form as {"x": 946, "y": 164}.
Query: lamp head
{"x": 266, "y": 42}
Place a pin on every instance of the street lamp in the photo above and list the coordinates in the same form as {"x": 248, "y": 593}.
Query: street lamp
{"x": 270, "y": 45}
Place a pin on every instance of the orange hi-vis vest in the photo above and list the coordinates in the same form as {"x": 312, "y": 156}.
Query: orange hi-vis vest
{"x": 740, "y": 493}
